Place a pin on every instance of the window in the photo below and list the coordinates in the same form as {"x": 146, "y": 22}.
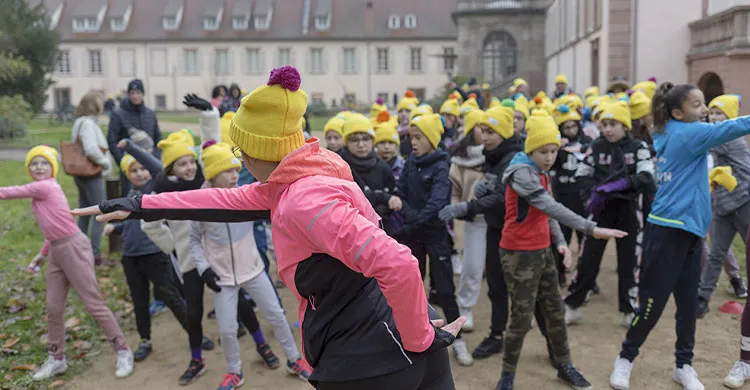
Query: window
{"x": 169, "y": 22}
{"x": 410, "y": 21}
{"x": 161, "y": 102}
{"x": 95, "y": 62}
{"x": 63, "y": 63}
{"x": 415, "y": 59}
{"x": 394, "y": 22}
{"x": 210, "y": 23}
{"x": 85, "y": 24}
{"x": 317, "y": 98}
{"x": 449, "y": 59}
{"x": 253, "y": 61}
{"x": 239, "y": 23}
{"x": 285, "y": 56}
{"x": 316, "y": 60}
{"x": 350, "y": 100}
{"x": 350, "y": 60}
{"x": 499, "y": 57}
{"x": 262, "y": 22}
{"x": 190, "y": 61}
{"x": 127, "y": 62}
{"x": 221, "y": 64}
{"x": 117, "y": 24}
{"x": 159, "y": 62}
{"x": 383, "y": 60}
{"x": 322, "y": 22}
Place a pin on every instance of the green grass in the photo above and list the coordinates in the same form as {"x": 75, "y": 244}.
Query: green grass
{"x": 188, "y": 117}
{"x": 20, "y": 240}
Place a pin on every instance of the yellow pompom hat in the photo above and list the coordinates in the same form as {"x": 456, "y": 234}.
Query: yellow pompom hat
{"x": 125, "y": 163}
{"x": 451, "y": 107}
{"x": 177, "y": 144}
{"x": 540, "y": 130}
{"x": 377, "y": 108}
{"x": 648, "y": 87}
{"x": 408, "y": 102}
{"x": 49, "y": 153}
{"x": 565, "y": 114}
{"x": 431, "y": 125}
{"x": 267, "y": 125}
{"x": 345, "y": 114}
{"x": 640, "y": 105}
{"x": 469, "y": 104}
{"x": 618, "y": 111}
{"x": 500, "y": 119}
{"x": 217, "y": 158}
{"x": 522, "y": 106}
{"x": 224, "y": 123}
{"x": 357, "y": 123}
{"x": 421, "y": 110}
{"x": 335, "y": 124}
{"x": 472, "y": 119}
{"x": 386, "y": 132}
{"x": 728, "y": 104}
{"x": 561, "y": 78}
{"x": 591, "y": 91}
{"x": 495, "y": 102}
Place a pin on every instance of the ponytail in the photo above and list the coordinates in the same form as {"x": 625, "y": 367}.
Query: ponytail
{"x": 667, "y": 98}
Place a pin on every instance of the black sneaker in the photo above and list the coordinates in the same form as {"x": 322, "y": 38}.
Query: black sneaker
{"x": 595, "y": 289}
{"x": 207, "y": 344}
{"x": 269, "y": 359}
{"x": 193, "y": 372}
{"x": 506, "y": 381}
{"x": 702, "y": 309}
{"x": 144, "y": 349}
{"x": 568, "y": 374}
{"x": 739, "y": 287}
{"x": 241, "y": 331}
{"x": 211, "y": 314}
{"x": 490, "y": 346}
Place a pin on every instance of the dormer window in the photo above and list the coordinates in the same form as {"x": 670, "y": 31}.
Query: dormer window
{"x": 322, "y": 22}
{"x": 263, "y": 22}
{"x": 410, "y": 21}
{"x": 172, "y": 16}
{"x": 240, "y": 23}
{"x": 119, "y": 18}
{"x": 210, "y": 23}
{"x": 394, "y": 22}
{"x": 117, "y": 24}
{"x": 85, "y": 24}
{"x": 169, "y": 22}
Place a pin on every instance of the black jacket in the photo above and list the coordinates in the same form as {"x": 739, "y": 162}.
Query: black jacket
{"x": 563, "y": 172}
{"x": 374, "y": 177}
{"x": 492, "y": 205}
{"x": 127, "y": 116}
{"x": 424, "y": 188}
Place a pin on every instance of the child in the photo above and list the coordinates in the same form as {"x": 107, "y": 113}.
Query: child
{"x": 71, "y": 263}
{"x": 334, "y": 134}
{"x": 387, "y": 143}
{"x": 227, "y": 258}
{"x": 424, "y": 189}
{"x": 450, "y": 111}
{"x": 679, "y": 218}
{"x": 377, "y": 108}
{"x": 520, "y": 115}
{"x": 528, "y": 262}
{"x": 405, "y": 106}
{"x": 731, "y": 209}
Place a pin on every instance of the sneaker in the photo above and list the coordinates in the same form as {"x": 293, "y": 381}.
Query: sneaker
{"x": 207, "y": 344}
{"x": 241, "y": 331}
{"x": 506, "y": 381}
{"x": 279, "y": 284}
{"x": 193, "y": 372}
{"x": 269, "y": 359}
{"x": 469, "y": 324}
{"x": 211, "y": 314}
{"x": 98, "y": 260}
{"x": 462, "y": 353}
{"x": 627, "y": 319}
{"x": 736, "y": 378}
{"x": 595, "y": 290}
{"x": 570, "y": 375}
{"x": 619, "y": 379}
{"x": 232, "y": 381}
{"x": 687, "y": 377}
{"x": 124, "y": 365}
{"x": 572, "y": 315}
{"x": 156, "y": 308}
{"x": 702, "y": 308}
{"x": 144, "y": 349}
{"x": 739, "y": 288}
{"x": 456, "y": 264}
{"x": 490, "y": 346}
{"x": 296, "y": 368}
{"x": 50, "y": 368}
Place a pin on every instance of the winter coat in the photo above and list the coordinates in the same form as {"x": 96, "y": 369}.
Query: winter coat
{"x": 564, "y": 171}
{"x": 397, "y": 165}
{"x": 374, "y": 177}
{"x": 465, "y": 172}
{"x": 127, "y": 116}
{"x": 425, "y": 188}
{"x": 230, "y": 103}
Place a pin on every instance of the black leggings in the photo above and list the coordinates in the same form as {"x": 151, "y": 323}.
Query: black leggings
{"x": 429, "y": 372}
{"x": 193, "y": 286}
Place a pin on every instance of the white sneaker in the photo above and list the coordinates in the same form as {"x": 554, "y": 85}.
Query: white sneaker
{"x": 572, "y": 315}
{"x": 627, "y": 319}
{"x": 736, "y": 378}
{"x": 462, "y": 353}
{"x": 620, "y": 377}
{"x": 456, "y": 263}
{"x": 687, "y": 377}
{"x": 469, "y": 324}
{"x": 50, "y": 368}
{"x": 124, "y": 366}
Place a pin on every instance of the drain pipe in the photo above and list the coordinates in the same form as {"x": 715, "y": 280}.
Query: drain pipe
{"x": 634, "y": 43}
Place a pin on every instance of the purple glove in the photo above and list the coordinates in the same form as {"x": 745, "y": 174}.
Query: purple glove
{"x": 615, "y": 186}
{"x": 596, "y": 204}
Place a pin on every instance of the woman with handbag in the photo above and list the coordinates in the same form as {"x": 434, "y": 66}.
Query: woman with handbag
{"x": 91, "y": 189}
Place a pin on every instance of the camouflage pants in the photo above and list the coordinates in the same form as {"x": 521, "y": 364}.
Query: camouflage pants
{"x": 531, "y": 277}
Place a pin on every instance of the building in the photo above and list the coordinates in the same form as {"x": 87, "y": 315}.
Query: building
{"x": 352, "y": 50}
{"x": 593, "y": 41}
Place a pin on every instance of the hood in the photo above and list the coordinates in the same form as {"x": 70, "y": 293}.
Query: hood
{"x": 475, "y": 157}
{"x": 431, "y": 158}
{"x": 310, "y": 160}
{"x": 520, "y": 161}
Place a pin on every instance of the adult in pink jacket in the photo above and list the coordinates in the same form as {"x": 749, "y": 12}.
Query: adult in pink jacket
{"x": 362, "y": 308}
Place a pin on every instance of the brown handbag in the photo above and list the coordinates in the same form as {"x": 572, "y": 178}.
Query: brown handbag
{"x": 75, "y": 162}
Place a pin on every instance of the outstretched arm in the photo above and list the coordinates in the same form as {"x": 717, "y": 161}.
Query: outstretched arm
{"x": 34, "y": 190}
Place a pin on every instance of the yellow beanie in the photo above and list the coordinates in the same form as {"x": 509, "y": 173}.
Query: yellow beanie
{"x": 431, "y": 126}
{"x": 591, "y": 91}
{"x": 451, "y": 107}
{"x": 177, "y": 144}
{"x": 48, "y": 152}
{"x": 495, "y": 102}
{"x": 474, "y": 118}
{"x": 518, "y": 82}
{"x": 500, "y": 119}
{"x": 640, "y": 105}
{"x": 126, "y": 162}
{"x": 218, "y": 158}
{"x": 335, "y": 124}
{"x": 522, "y": 106}
{"x": 541, "y": 130}
{"x": 386, "y": 132}
{"x": 224, "y": 123}
{"x": 565, "y": 114}
{"x": 647, "y": 87}
{"x": 591, "y": 100}
{"x": 619, "y": 112}
{"x": 561, "y": 79}
{"x": 421, "y": 110}
{"x": 358, "y": 123}
{"x": 345, "y": 114}
{"x": 408, "y": 102}
{"x": 267, "y": 125}
{"x": 469, "y": 104}
{"x": 377, "y": 108}
{"x": 728, "y": 104}
{"x": 723, "y": 177}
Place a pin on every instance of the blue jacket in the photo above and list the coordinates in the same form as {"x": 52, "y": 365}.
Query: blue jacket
{"x": 424, "y": 188}
{"x": 682, "y": 200}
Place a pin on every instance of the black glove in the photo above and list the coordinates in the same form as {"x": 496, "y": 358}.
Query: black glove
{"x": 210, "y": 278}
{"x": 192, "y": 100}
{"x": 122, "y": 204}
{"x": 442, "y": 340}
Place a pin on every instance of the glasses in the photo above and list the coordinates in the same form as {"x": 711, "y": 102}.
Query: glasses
{"x": 357, "y": 140}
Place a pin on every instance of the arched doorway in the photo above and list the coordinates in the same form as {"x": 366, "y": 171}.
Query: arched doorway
{"x": 499, "y": 57}
{"x": 711, "y": 85}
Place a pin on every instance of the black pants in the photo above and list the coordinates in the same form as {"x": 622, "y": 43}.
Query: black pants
{"x": 671, "y": 263}
{"x": 193, "y": 285}
{"x": 437, "y": 246}
{"x": 498, "y": 290}
{"x": 431, "y": 371}
{"x": 157, "y": 269}
{"x": 574, "y": 202}
{"x": 619, "y": 214}
{"x": 175, "y": 281}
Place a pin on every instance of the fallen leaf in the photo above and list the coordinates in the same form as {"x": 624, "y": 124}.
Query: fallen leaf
{"x": 3, "y": 336}
{"x": 8, "y": 351}
{"x": 79, "y": 356}
{"x": 8, "y": 377}
{"x": 56, "y": 383}
{"x": 25, "y": 367}
{"x": 72, "y": 322}
{"x": 27, "y": 318}
{"x": 104, "y": 280}
{"x": 82, "y": 345}
{"x": 44, "y": 339}
{"x": 26, "y": 347}
{"x": 10, "y": 343}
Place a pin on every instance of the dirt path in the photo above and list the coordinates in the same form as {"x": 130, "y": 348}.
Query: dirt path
{"x": 594, "y": 344}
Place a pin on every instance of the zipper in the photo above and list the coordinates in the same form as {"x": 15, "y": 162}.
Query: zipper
{"x": 231, "y": 251}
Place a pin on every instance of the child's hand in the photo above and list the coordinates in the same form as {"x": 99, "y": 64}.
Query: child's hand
{"x": 36, "y": 262}
{"x": 395, "y": 203}
{"x": 566, "y": 254}
{"x": 123, "y": 143}
{"x": 108, "y": 229}
{"x": 604, "y": 234}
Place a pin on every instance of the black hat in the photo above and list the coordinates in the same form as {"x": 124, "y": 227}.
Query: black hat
{"x": 136, "y": 84}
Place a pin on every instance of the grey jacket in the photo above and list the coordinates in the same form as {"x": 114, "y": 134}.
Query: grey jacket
{"x": 735, "y": 154}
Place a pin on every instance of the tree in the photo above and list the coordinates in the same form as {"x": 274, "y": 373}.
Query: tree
{"x": 28, "y": 52}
